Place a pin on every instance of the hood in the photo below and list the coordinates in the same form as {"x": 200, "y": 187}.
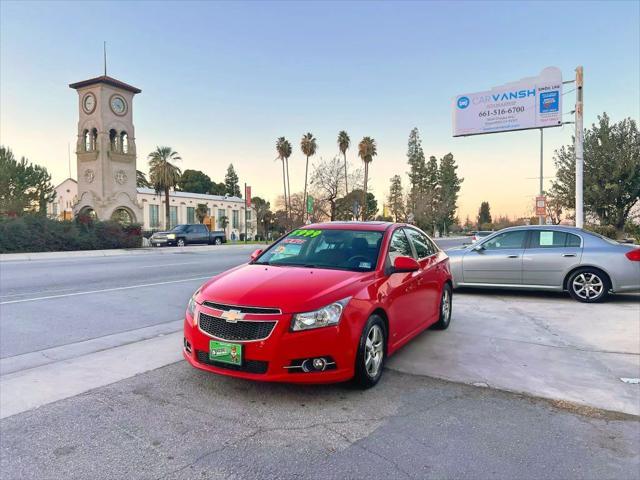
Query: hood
{"x": 291, "y": 289}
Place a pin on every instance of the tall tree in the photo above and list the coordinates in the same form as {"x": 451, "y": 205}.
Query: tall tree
{"x": 395, "y": 200}
{"x": 195, "y": 181}
{"x": 218, "y": 188}
{"x": 367, "y": 149}
{"x": 417, "y": 171}
{"x": 611, "y": 171}
{"x": 141, "y": 180}
{"x": 308, "y": 145}
{"x": 350, "y": 206}
{"x": 327, "y": 179}
{"x": 164, "y": 175}
{"x": 231, "y": 182}
{"x": 448, "y": 187}
{"x": 264, "y": 214}
{"x": 343, "y": 144}
{"x": 484, "y": 214}
{"x": 283, "y": 147}
{"x": 24, "y": 187}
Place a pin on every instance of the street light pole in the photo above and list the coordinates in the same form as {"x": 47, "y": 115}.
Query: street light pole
{"x": 579, "y": 149}
{"x": 541, "y": 219}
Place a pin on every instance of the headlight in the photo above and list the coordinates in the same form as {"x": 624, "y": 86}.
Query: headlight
{"x": 323, "y": 317}
{"x": 171, "y": 236}
{"x": 191, "y": 307}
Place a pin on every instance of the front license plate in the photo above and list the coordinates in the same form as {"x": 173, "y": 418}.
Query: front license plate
{"x": 225, "y": 352}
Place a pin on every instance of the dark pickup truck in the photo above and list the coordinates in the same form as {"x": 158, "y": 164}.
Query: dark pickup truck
{"x": 182, "y": 235}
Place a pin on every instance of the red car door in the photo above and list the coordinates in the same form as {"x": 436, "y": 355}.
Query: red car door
{"x": 428, "y": 281}
{"x": 400, "y": 290}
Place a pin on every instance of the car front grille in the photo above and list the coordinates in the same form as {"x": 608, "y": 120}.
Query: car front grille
{"x": 253, "y": 310}
{"x": 241, "y": 330}
{"x": 248, "y": 366}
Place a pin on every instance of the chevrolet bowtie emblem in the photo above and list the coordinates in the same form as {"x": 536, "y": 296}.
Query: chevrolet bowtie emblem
{"x": 232, "y": 316}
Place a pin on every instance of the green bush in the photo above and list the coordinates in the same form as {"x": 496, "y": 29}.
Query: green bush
{"x": 33, "y": 233}
{"x": 608, "y": 231}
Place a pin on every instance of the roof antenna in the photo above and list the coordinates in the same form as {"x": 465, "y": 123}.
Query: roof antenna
{"x": 104, "y": 49}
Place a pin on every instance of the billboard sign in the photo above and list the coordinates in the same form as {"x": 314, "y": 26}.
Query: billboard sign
{"x": 533, "y": 102}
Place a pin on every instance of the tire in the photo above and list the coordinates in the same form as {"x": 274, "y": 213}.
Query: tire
{"x": 446, "y": 307}
{"x": 368, "y": 368}
{"x": 588, "y": 285}
{"x": 218, "y": 241}
{"x": 181, "y": 242}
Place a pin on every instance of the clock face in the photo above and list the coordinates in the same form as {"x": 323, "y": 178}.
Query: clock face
{"x": 118, "y": 105}
{"x": 89, "y": 103}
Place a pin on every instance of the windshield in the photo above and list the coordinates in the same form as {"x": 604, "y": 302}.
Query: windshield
{"x": 178, "y": 228}
{"x": 354, "y": 250}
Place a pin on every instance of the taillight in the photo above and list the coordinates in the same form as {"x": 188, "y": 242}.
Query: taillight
{"x": 633, "y": 255}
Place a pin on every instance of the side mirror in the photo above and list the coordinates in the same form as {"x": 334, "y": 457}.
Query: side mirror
{"x": 255, "y": 254}
{"x": 405, "y": 264}
{"x": 478, "y": 248}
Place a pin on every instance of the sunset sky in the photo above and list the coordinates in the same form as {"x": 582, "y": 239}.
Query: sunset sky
{"x": 221, "y": 81}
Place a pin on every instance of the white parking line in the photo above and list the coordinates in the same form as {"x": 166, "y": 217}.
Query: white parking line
{"x": 103, "y": 290}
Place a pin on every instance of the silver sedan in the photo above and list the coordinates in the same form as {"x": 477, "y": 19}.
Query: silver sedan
{"x": 583, "y": 263}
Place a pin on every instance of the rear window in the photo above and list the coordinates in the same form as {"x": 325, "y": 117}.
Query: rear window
{"x": 553, "y": 239}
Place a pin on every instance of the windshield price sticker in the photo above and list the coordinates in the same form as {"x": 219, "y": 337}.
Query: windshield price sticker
{"x": 306, "y": 233}
{"x": 295, "y": 241}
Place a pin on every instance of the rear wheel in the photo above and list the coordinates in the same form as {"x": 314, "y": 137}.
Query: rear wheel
{"x": 371, "y": 353}
{"x": 218, "y": 241}
{"x": 588, "y": 285}
{"x": 446, "y": 306}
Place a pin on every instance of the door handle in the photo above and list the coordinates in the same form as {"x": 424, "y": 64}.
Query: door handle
{"x": 568, "y": 254}
{"x": 513, "y": 256}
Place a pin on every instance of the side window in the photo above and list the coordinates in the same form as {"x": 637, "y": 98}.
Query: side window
{"x": 573, "y": 240}
{"x": 506, "y": 240}
{"x": 420, "y": 243}
{"x": 399, "y": 246}
{"x": 547, "y": 239}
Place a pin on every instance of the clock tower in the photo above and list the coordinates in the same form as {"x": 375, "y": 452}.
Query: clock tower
{"x": 106, "y": 150}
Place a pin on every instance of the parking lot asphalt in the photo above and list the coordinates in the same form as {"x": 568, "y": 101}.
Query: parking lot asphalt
{"x": 179, "y": 423}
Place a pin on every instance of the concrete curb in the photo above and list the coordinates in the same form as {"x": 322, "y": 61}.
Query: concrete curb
{"x": 13, "y": 257}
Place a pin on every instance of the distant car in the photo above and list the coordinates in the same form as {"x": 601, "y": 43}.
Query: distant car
{"x": 182, "y": 235}
{"x": 587, "y": 265}
{"x": 478, "y": 235}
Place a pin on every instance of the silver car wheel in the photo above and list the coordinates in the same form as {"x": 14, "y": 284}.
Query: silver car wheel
{"x": 446, "y": 305}
{"x": 588, "y": 286}
{"x": 374, "y": 351}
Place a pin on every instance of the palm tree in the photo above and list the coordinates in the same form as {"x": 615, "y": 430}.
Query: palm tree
{"x": 366, "y": 151}
{"x": 163, "y": 174}
{"x": 283, "y": 147}
{"x": 343, "y": 144}
{"x": 308, "y": 145}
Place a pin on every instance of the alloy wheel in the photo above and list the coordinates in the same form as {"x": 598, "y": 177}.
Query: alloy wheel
{"x": 588, "y": 286}
{"x": 374, "y": 351}
{"x": 446, "y": 305}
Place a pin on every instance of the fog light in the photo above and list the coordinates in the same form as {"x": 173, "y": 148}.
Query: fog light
{"x": 319, "y": 363}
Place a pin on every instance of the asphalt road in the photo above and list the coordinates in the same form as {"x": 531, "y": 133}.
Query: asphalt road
{"x": 48, "y": 303}
{"x": 180, "y": 423}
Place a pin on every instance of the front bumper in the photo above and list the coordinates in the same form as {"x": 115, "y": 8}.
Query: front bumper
{"x": 282, "y": 349}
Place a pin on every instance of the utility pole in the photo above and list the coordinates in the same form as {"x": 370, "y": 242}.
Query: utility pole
{"x": 579, "y": 149}
{"x": 541, "y": 219}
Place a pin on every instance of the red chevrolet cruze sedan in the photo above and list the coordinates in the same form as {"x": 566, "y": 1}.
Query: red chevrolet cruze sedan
{"x": 325, "y": 303}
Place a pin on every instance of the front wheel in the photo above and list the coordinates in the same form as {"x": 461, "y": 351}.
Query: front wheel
{"x": 181, "y": 242}
{"x": 371, "y": 353}
{"x": 588, "y": 285}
